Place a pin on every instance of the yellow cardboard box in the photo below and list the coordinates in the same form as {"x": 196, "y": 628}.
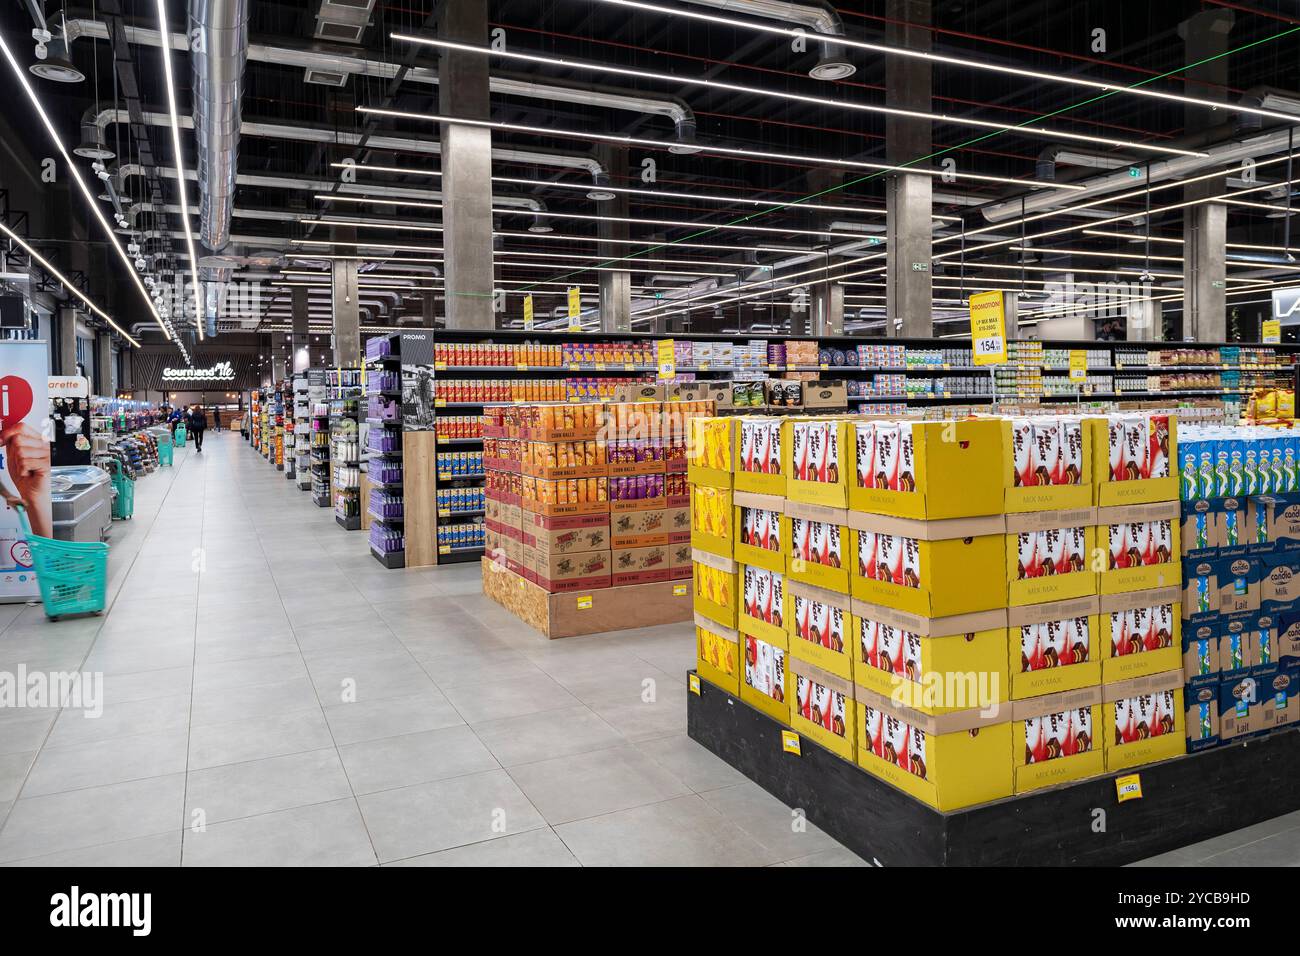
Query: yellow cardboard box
{"x": 1045, "y": 448}
{"x": 717, "y": 654}
{"x": 934, "y": 665}
{"x": 1129, "y": 445}
{"x": 765, "y": 681}
{"x": 759, "y": 462}
{"x": 955, "y": 468}
{"x": 948, "y": 761}
{"x": 1142, "y": 632}
{"x": 761, "y": 530}
{"x": 1140, "y": 545}
{"x": 1055, "y": 647}
{"x": 1054, "y": 739}
{"x": 711, "y": 519}
{"x": 1040, "y": 544}
{"x": 763, "y": 603}
{"x": 1144, "y": 720}
{"x": 820, "y": 551}
{"x": 816, "y": 460}
{"x": 821, "y": 628}
{"x": 824, "y": 710}
{"x": 710, "y": 451}
{"x": 932, "y": 568}
{"x": 717, "y": 585}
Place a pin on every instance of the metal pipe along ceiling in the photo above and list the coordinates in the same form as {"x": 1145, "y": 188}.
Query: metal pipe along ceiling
{"x": 218, "y": 55}
{"x": 833, "y": 65}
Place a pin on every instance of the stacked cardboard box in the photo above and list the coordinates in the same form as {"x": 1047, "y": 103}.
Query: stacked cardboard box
{"x": 1241, "y": 568}
{"x": 924, "y": 599}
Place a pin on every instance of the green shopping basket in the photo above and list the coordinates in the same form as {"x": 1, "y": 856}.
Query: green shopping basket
{"x": 72, "y": 574}
{"x": 165, "y": 451}
{"x": 124, "y": 495}
{"x": 180, "y": 436}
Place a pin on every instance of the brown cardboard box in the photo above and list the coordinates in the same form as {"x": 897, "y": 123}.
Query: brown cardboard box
{"x": 587, "y": 570}
{"x": 1263, "y": 698}
{"x": 644, "y": 529}
{"x": 639, "y": 393}
{"x": 824, "y": 395}
{"x": 679, "y": 525}
{"x": 679, "y": 560}
{"x": 1200, "y": 513}
{"x": 640, "y": 565}
{"x": 565, "y": 535}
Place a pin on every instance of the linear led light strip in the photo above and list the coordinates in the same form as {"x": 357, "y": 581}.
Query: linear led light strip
{"x": 954, "y": 60}
{"x": 21, "y": 74}
{"x": 1173, "y": 297}
{"x": 1015, "y": 267}
{"x": 589, "y": 217}
{"x": 1142, "y": 238}
{"x": 180, "y": 166}
{"x": 497, "y": 254}
{"x": 1120, "y": 255}
{"x": 554, "y": 236}
{"x": 1102, "y": 222}
{"x": 1024, "y": 130}
{"x": 45, "y": 264}
{"x": 706, "y": 148}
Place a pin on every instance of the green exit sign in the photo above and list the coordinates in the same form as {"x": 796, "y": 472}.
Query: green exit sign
{"x": 1135, "y": 172}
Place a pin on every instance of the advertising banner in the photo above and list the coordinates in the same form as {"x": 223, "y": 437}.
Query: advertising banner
{"x": 24, "y": 462}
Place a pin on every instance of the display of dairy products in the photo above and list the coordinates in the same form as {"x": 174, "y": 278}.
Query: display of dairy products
{"x": 1219, "y": 461}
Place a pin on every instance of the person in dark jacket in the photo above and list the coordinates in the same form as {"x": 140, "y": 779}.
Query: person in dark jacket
{"x": 197, "y": 423}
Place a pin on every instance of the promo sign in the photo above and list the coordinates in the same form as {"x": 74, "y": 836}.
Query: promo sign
{"x": 221, "y": 372}
{"x": 575, "y": 308}
{"x": 68, "y": 386}
{"x": 1271, "y": 332}
{"x": 24, "y": 463}
{"x": 528, "y": 313}
{"x": 988, "y": 334}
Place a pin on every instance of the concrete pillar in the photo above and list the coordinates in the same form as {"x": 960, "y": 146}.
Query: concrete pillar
{"x": 827, "y": 309}
{"x": 429, "y": 309}
{"x": 346, "y": 306}
{"x": 67, "y": 357}
{"x": 301, "y": 330}
{"x": 103, "y": 375}
{"x": 127, "y": 384}
{"x": 908, "y": 292}
{"x": 281, "y": 361}
{"x": 1205, "y": 226}
{"x": 466, "y": 168}
{"x": 615, "y": 287}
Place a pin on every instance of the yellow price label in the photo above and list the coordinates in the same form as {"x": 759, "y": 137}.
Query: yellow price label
{"x": 693, "y": 681}
{"x": 444, "y": 513}
{"x": 444, "y": 549}
{"x": 1128, "y": 787}
{"x": 679, "y": 590}
{"x": 600, "y": 366}
{"x": 521, "y": 366}
{"x": 440, "y": 366}
{"x": 440, "y": 402}
{"x": 584, "y": 602}
{"x": 790, "y": 743}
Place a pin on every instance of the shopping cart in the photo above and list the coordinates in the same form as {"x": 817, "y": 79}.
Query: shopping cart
{"x": 123, "y": 491}
{"x": 180, "y": 436}
{"x": 72, "y": 574}
{"x": 164, "y": 450}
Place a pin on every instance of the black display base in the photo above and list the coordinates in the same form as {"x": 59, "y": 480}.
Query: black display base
{"x": 349, "y": 523}
{"x": 461, "y": 555}
{"x": 322, "y": 501}
{"x": 391, "y": 560}
{"x": 1183, "y": 801}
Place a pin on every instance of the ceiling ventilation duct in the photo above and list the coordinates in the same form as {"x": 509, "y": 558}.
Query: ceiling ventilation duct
{"x": 343, "y": 21}
{"x": 833, "y": 64}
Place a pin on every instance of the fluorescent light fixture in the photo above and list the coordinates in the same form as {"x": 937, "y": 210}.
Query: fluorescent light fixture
{"x": 720, "y": 150}
{"x": 803, "y": 33}
{"x": 1252, "y": 247}
{"x": 71, "y": 167}
{"x": 1021, "y": 129}
{"x": 63, "y": 280}
{"x": 165, "y": 31}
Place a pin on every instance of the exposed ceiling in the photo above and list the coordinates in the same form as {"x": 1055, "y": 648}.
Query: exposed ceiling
{"x": 310, "y": 66}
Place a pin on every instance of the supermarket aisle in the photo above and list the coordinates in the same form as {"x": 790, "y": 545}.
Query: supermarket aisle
{"x": 266, "y": 680}
{"x": 273, "y": 696}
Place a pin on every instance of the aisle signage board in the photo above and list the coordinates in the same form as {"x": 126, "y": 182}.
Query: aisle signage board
{"x": 221, "y": 372}
{"x": 666, "y": 353}
{"x": 1286, "y": 305}
{"x": 68, "y": 386}
{"x": 1271, "y": 332}
{"x": 575, "y": 309}
{"x": 1078, "y": 365}
{"x": 528, "y": 313}
{"x": 988, "y": 328}
{"x": 24, "y": 414}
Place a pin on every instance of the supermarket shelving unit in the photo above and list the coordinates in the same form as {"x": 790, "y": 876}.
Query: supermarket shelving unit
{"x": 344, "y": 393}
{"x": 385, "y": 465}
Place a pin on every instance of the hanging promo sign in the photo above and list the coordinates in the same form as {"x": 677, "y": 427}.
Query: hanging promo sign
{"x": 988, "y": 328}
{"x": 221, "y": 372}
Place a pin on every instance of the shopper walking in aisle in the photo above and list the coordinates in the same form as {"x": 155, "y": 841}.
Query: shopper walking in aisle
{"x": 197, "y": 423}
{"x": 173, "y": 420}
{"x": 216, "y": 419}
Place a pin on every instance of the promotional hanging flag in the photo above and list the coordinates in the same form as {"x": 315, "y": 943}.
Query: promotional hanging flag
{"x": 24, "y": 462}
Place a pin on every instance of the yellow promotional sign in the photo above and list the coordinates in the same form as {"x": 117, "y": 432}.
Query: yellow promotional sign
{"x": 667, "y": 354}
{"x": 988, "y": 334}
{"x": 1078, "y": 365}
{"x": 1128, "y": 788}
{"x": 1271, "y": 331}
{"x": 575, "y": 308}
{"x": 528, "y": 312}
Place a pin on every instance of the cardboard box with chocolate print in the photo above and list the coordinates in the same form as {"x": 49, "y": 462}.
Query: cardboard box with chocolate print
{"x": 949, "y": 761}
{"x": 933, "y": 665}
{"x": 1144, "y": 720}
{"x": 762, "y": 530}
{"x": 1054, "y": 647}
{"x": 820, "y": 623}
{"x": 1049, "y": 556}
{"x": 824, "y": 709}
{"x": 717, "y": 654}
{"x": 820, "y": 546}
{"x": 1141, "y": 546}
{"x": 711, "y": 519}
{"x": 763, "y": 603}
{"x": 1133, "y": 452}
{"x": 1143, "y": 633}
{"x": 1259, "y": 701}
{"x": 927, "y": 470}
{"x": 765, "y": 682}
{"x": 816, "y": 460}
{"x": 1202, "y": 718}
{"x": 1054, "y": 739}
{"x": 1047, "y": 463}
{"x": 759, "y": 462}
{"x": 931, "y": 568}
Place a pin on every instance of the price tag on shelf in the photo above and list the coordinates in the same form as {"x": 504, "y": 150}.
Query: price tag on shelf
{"x": 693, "y": 681}
{"x": 1128, "y": 787}
{"x": 440, "y": 403}
{"x": 444, "y": 549}
{"x": 600, "y": 366}
{"x": 629, "y": 367}
{"x": 826, "y": 365}
{"x": 443, "y": 476}
{"x": 679, "y": 590}
{"x": 790, "y": 743}
{"x": 521, "y": 366}
{"x": 444, "y": 513}
{"x": 440, "y": 366}
{"x": 574, "y": 367}
{"x": 584, "y": 602}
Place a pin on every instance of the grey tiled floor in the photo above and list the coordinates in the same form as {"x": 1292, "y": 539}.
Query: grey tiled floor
{"x": 274, "y": 696}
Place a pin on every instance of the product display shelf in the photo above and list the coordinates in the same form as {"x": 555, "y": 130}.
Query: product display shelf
{"x": 345, "y": 457}
{"x": 320, "y": 454}
{"x": 385, "y": 474}
{"x": 302, "y": 406}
